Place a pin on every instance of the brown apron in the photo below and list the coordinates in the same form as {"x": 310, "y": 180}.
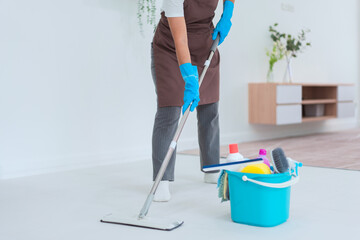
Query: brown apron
{"x": 170, "y": 85}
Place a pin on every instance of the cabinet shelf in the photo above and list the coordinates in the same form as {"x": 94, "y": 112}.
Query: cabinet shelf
{"x": 313, "y": 119}
{"x": 318, "y": 101}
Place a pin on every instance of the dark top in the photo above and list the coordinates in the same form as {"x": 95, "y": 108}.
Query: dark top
{"x": 170, "y": 85}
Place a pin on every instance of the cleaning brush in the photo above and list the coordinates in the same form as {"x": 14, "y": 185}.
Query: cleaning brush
{"x": 279, "y": 160}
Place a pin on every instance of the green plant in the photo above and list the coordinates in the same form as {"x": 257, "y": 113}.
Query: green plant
{"x": 276, "y": 54}
{"x": 148, "y": 8}
{"x": 292, "y": 44}
{"x": 286, "y": 45}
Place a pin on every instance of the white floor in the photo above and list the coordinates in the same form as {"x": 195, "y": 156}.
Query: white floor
{"x": 325, "y": 204}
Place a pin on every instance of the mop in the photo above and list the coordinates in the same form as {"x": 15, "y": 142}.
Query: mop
{"x": 142, "y": 220}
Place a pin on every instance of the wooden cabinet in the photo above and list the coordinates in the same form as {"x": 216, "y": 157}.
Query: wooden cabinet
{"x": 279, "y": 104}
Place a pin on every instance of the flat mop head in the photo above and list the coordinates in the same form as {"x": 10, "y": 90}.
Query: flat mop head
{"x": 146, "y": 222}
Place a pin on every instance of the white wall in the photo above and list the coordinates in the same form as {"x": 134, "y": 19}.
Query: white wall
{"x": 358, "y": 67}
{"x": 76, "y": 89}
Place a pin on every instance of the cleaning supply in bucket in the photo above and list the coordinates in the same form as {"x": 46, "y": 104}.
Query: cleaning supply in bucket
{"x": 223, "y": 186}
{"x": 234, "y": 155}
{"x": 294, "y": 165}
{"x": 231, "y": 165}
{"x": 262, "y": 154}
{"x": 260, "y": 199}
{"x": 280, "y": 163}
{"x": 260, "y": 168}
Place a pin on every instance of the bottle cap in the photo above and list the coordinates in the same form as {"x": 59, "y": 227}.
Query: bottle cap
{"x": 233, "y": 148}
{"x": 262, "y": 152}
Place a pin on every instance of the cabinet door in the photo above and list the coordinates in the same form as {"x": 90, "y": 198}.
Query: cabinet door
{"x": 346, "y": 93}
{"x": 286, "y": 94}
{"x": 346, "y": 109}
{"x": 288, "y": 114}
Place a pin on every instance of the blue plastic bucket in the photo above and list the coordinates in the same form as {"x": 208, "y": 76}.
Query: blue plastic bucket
{"x": 260, "y": 199}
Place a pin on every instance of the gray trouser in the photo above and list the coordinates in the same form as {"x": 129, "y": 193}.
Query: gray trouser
{"x": 165, "y": 125}
{"x": 166, "y": 122}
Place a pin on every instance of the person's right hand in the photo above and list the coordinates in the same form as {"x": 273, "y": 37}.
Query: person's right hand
{"x": 191, "y": 77}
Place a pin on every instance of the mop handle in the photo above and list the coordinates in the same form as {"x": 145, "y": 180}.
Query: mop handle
{"x": 173, "y": 143}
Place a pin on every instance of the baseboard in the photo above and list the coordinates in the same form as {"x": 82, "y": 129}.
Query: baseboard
{"x": 30, "y": 167}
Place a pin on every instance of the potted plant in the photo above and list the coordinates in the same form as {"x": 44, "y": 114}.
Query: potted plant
{"x": 288, "y": 46}
{"x": 275, "y": 54}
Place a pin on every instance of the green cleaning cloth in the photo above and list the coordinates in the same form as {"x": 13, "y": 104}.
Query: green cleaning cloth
{"x": 223, "y": 186}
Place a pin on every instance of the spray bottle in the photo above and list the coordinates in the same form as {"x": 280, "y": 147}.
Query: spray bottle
{"x": 262, "y": 154}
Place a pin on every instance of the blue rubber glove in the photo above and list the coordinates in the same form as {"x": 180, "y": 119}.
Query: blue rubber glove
{"x": 191, "y": 77}
{"x": 224, "y": 25}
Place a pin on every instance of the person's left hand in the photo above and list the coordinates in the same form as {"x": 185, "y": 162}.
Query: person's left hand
{"x": 224, "y": 25}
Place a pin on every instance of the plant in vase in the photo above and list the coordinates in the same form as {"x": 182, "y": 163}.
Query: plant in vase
{"x": 290, "y": 45}
{"x": 276, "y": 54}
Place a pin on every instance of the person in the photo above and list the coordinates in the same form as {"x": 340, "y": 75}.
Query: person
{"x": 180, "y": 46}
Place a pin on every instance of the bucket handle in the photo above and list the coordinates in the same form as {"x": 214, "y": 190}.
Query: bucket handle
{"x": 289, "y": 183}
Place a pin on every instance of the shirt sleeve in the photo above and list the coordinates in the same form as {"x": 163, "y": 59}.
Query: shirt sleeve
{"x": 173, "y": 8}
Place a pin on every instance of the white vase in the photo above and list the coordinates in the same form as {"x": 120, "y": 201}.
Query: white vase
{"x": 288, "y": 72}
